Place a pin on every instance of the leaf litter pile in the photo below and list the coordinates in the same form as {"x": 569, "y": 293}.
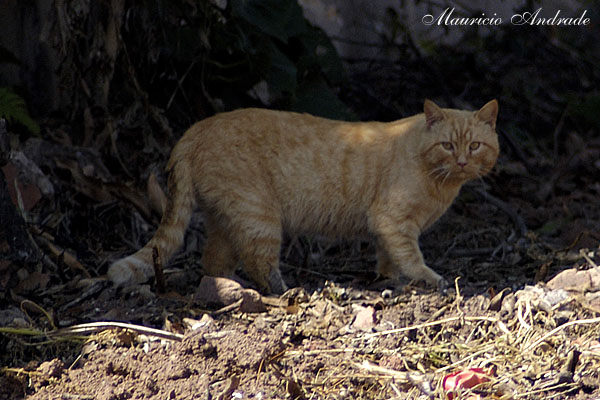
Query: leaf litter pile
{"x": 523, "y": 320}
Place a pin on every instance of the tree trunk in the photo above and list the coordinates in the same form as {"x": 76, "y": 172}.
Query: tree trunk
{"x": 60, "y": 54}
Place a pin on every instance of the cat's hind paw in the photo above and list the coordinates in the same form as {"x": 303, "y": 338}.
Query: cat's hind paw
{"x": 130, "y": 270}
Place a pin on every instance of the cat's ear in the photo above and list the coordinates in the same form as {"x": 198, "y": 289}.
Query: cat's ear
{"x": 433, "y": 113}
{"x": 489, "y": 113}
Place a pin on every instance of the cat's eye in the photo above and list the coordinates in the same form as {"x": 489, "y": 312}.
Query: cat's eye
{"x": 448, "y": 146}
{"x": 474, "y": 146}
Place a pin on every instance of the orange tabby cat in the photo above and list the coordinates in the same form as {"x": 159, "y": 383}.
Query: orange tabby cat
{"x": 256, "y": 173}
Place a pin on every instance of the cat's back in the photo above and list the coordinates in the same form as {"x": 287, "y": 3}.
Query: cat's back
{"x": 255, "y": 126}
{"x": 255, "y": 141}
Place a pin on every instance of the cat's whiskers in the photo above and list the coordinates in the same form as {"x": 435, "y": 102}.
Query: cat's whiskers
{"x": 481, "y": 172}
{"x": 448, "y": 173}
{"x": 440, "y": 174}
{"x": 437, "y": 172}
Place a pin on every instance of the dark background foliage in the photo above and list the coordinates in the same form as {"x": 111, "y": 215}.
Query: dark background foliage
{"x": 158, "y": 66}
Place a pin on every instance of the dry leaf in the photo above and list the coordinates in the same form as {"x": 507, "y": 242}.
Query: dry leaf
{"x": 365, "y": 319}
{"x": 69, "y": 259}
{"x": 32, "y": 282}
{"x": 30, "y": 194}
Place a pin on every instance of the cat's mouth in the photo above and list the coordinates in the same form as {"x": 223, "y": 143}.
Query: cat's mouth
{"x": 454, "y": 176}
{"x": 464, "y": 174}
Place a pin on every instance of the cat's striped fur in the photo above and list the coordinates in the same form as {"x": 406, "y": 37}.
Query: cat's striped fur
{"x": 256, "y": 173}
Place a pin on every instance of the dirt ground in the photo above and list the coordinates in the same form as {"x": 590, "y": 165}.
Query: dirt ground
{"x": 523, "y": 320}
{"x": 340, "y": 333}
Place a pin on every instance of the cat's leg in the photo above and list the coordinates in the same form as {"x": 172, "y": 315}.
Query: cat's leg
{"x": 219, "y": 257}
{"x": 257, "y": 232}
{"x": 385, "y": 266}
{"x": 259, "y": 251}
{"x": 400, "y": 253}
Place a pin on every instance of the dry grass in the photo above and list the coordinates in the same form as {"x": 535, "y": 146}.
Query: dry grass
{"x": 531, "y": 352}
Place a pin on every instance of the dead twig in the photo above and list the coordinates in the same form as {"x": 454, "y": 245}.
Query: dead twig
{"x": 422, "y": 381}
{"x": 88, "y": 292}
{"x": 501, "y": 326}
{"x": 230, "y": 307}
{"x": 587, "y": 258}
{"x": 554, "y": 331}
{"x": 158, "y": 271}
{"x": 101, "y": 326}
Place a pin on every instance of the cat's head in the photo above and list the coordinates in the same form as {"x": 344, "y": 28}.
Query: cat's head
{"x": 459, "y": 145}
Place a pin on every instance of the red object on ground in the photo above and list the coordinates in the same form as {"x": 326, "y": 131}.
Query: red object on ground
{"x": 465, "y": 379}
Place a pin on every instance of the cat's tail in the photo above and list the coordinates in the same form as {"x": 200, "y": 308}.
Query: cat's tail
{"x": 139, "y": 267}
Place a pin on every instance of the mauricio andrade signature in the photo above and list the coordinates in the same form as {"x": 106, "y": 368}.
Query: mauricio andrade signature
{"x": 448, "y": 18}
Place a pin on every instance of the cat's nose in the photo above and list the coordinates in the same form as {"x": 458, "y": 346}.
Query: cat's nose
{"x": 462, "y": 164}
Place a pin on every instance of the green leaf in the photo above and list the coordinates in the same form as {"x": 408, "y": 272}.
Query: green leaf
{"x": 280, "y": 19}
{"x": 14, "y": 110}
